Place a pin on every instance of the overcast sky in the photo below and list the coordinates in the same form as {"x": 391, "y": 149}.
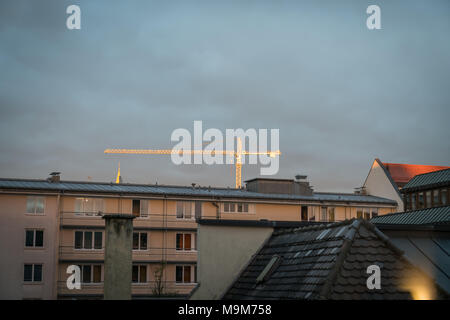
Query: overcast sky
{"x": 340, "y": 94}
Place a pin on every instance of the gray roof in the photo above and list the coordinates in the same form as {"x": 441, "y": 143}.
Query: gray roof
{"x": 430, "y": 253}
{"x": 428, "y": 180}
{"x": 326, "y": 262}
{"x": 97, "y": 187}
{"x": 430, "y": 216}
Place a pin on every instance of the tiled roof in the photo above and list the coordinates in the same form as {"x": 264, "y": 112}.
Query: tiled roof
{"x": 401, "y": 173}
{"x": 432, "y": 179}
{"x": 326, "y": 262}
{"x": 97, "y": 187}
{"x": 438, "y": 215}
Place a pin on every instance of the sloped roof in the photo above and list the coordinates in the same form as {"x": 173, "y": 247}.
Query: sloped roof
{"x": 426, "y": 180}
{"x": 99, "y": 187}
{"x": 437, "y": 215}
{"x": 327, "y": 262}
{"x": 401, "y": 173}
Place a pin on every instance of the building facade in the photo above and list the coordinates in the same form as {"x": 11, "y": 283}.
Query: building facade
{"x": 49, "y": 225}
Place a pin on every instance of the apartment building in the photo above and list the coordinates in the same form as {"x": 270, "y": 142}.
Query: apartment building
{"x": 48, "y": 225}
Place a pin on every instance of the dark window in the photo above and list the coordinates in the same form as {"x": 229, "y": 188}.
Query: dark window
{"x": 304, "y": 210}
{"x": 245, "y": 207}
{"x": 436, "y": 201}
{"x": 331, "y": 214}
{"x": 29, "y": 239}
{"x": 135, "y": 275}
{"x": 136, "y": 208}
{"x": 143, "y": 242}
{"x": 179, "y": 274}
{"x": 239, "y": 206}
{"x": 136, "y": 241}
{"x": 97, "y": 240}
{"x": 179, "y": 241}
{"x": 39, "y": 238}
{"x": 37, "y": 272}
{"x": 428, "y": 194}
{"x": 374, "y": 213}
{"x": 78, "y": 239}
{"x": 86, "y": 278}
{"x": 226, "y": 207}
{"x": 444, "y": 196}
{"x": 421, "y": 201}
{"x": 359, "y": 214}
{"x": 28, "y": 272}
{"x": 88, "y": 240}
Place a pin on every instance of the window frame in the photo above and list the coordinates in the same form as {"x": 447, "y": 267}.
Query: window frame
{"x": 34, "y": 230}
{"x": 183, "y": 269}
{"x": 32, "y": 281}
{"x": 183, "y": 237}
{"x": 44, "y": 200}
{"x": 139, "y": 233}
{"x": 83, "y": 213}
{"x": 139, "y": 266}
{"x": 236, "y": 207}
{"x": 93, "y": 232}
{"x": 184, "y": 203}
{"x": 92, "y": 272}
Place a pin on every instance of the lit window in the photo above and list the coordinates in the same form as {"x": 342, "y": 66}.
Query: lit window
{"x": 35, "y": 205}
{"x": 89, "y": 206}
{"x": 184, "y": 209}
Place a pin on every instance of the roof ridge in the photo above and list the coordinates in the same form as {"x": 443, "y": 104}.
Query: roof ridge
{"x": 332, "y": 276}
{"x": 409, "y": 212}
{"x": 315, "y": 227}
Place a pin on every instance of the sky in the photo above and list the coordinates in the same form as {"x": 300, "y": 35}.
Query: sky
{"x": 340, "y": 94}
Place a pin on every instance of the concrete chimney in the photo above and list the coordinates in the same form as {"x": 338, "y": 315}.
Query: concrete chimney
{"x": 118, "y": 256}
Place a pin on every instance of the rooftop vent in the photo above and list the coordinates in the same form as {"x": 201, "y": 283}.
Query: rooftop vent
{"x": 269, "y": 269}
{"x": 54, "y": 177}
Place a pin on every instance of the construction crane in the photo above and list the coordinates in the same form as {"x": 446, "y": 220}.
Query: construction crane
{"x": 238, "y": 154}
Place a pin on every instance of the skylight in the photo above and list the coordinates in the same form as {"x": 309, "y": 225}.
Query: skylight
{"x": 269, "y": 269}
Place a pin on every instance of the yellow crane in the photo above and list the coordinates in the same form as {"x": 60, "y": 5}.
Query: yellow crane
{"x": 238, "y": 154}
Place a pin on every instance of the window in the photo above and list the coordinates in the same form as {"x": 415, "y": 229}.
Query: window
{"x": 88, "y": 206}
{"x": 184, "y": 209}
{"x": 91, "y": 273}
{"x": 428, "y": 200}
{"x": 184, "y": 241}
{"x": 140, "y": 208}
{"x": 233, "y": 207}
{"x": 421, "y": 201}
{"x": 32, "y": 273}
{"x": 34, "y": 238}
{"x": 183, "y": 274}
{"x": 312, "y": 216}
{"x": 139, "y": 274}
{"x": 436, "y": 201}
{"x": 366, "y": 213}
{"x": 359, "y": 213}
{"x": 88, "y": 240}
{"x": 444, "y": 196}
{"x": 323, "y": 214}
{"x": 413, "y": 201}
{"x": 139, "y": 240}
{"x": 374, "y": 212}
{"x": 304, "y": 213}
{"x": 35, "y": 205}
{"x": 331, "y": 214}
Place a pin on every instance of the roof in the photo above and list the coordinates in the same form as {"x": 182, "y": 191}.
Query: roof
{"x": 124, "y": 188}
{"x": 430, "y": 216}
{"x": 327, "y": 262}
{"x": 430, "y": 253}
{"x": 401, "y": 173}
{"x": 255, "y": 223}
{"x": 428, "y": 180}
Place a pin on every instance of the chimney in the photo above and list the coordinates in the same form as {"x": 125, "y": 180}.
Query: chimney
{"x": 54, "y": 177}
